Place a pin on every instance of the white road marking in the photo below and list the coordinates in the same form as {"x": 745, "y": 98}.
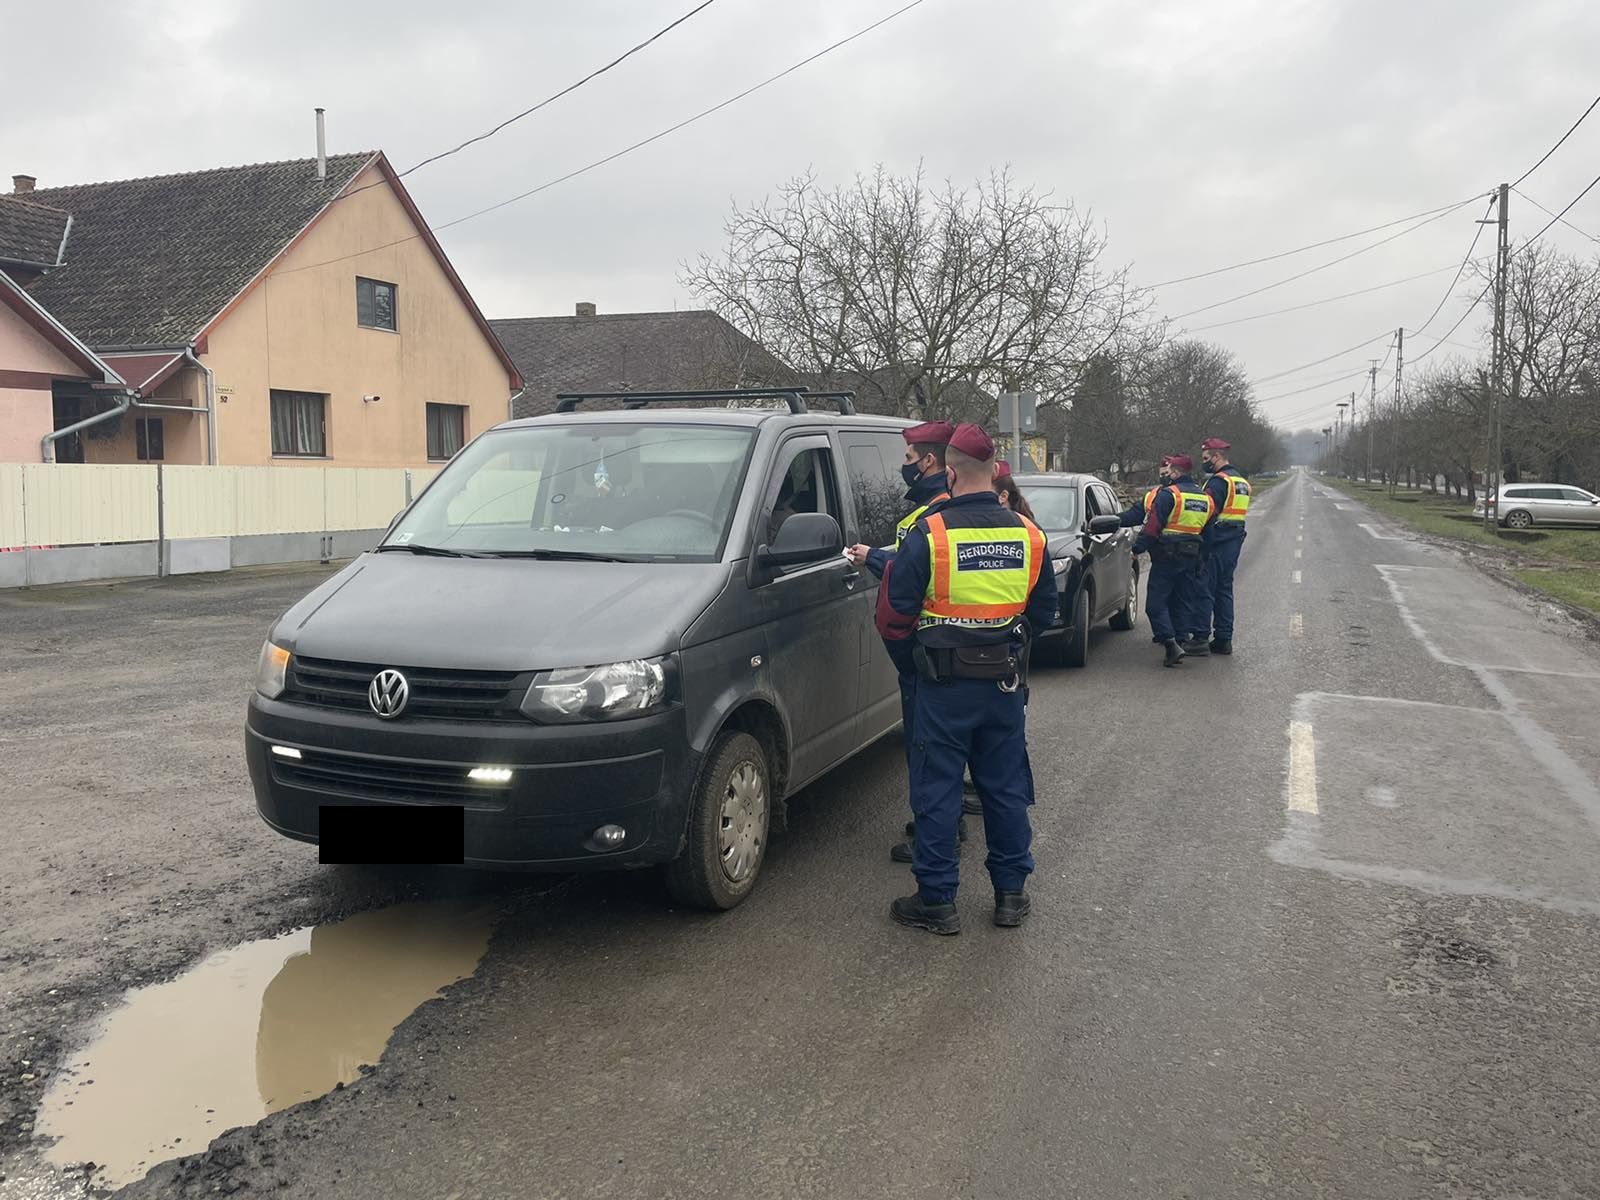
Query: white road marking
{"x": 1297, "y": 626}
{"x": 1384, "y": 537}
{"x": 1299, "y": 537}
{"x": 1299, "y": 553}
{"x": 1301, "y": 792}
{"x": 1295, "y": 577}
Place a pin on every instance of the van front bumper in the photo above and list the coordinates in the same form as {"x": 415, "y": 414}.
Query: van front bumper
{"x": 566, "y": 780}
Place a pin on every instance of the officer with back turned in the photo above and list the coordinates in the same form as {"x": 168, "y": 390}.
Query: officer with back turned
{"x": 1175, "y": 515}
{"x": 975, "y": 580}
{"x": 1224, "y": 538}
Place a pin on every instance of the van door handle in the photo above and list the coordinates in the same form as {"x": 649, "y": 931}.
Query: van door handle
{"x": 851, "y": 578}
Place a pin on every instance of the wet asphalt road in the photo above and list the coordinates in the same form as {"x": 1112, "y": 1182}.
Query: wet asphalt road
{"x": 1317, "y": 920}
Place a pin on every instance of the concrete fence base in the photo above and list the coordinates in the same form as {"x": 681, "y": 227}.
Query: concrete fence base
{"x": 182, "y": 556}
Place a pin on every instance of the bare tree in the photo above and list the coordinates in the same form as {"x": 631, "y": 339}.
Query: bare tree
{"x": 925, "y": 302}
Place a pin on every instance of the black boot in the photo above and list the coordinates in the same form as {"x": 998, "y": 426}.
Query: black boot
{"x": 1196, "y": 647}
{"x": 1174, "y": 653}
{"x": 1011, "y": 909}
{"x": 1218, "y": 646}
{"x": 970, "y": 803}
{"x": 912, "y": 910}
{"x": 901, "y": 852}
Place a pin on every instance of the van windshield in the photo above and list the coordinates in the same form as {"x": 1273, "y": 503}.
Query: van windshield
{"x": 584, "y": 490}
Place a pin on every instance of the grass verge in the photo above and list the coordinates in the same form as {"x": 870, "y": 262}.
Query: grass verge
{"x": 1561, "y": 563}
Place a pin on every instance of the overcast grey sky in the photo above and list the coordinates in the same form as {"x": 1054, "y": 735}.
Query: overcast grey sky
{"x": 1200, "y": 132}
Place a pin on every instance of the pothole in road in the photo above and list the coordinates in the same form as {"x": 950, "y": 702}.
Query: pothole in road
{"x": 249, "y": 1031}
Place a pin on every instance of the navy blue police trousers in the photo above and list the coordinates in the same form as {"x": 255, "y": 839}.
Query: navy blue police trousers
{"x": 962, "y": 722}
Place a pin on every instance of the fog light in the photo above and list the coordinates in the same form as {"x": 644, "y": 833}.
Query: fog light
{"x": 490, "y": 774}
{"x": 610, "y": 836}
{"x": 286, "y": 752}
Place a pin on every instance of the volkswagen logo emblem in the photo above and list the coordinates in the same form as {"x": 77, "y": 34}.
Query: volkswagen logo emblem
{"x": 388, "y": 694}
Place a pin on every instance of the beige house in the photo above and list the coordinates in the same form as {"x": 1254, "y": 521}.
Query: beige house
{"x": 282, "y": 313}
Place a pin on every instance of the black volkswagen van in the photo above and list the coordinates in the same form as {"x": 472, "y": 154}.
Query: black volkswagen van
{"x": 612, "y": 638}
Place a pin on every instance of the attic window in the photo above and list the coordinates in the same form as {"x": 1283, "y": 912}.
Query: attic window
{"x": 375, "y": 304}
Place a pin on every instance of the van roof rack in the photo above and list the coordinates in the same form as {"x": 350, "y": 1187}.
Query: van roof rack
{"x": 797, "y": 398}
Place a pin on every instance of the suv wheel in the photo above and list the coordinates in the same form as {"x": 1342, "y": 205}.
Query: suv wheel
{"x": 729, "y": 822}
{"x": 1519, "y": 518}
{"x": 1126, "y": 617}
{"x": 1075, "y": 645}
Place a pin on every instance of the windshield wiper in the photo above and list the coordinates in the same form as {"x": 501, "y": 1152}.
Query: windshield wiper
{"x": 436, "y": 551}
{"x": 558, "y": 555}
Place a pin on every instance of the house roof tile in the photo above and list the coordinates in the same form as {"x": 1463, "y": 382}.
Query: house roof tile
{"x": 31, "y": 233}
{"x": 150, "y": 261}
{"x": 632, "y": 352}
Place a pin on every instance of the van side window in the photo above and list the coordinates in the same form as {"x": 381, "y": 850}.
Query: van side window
{"x": 875, "y": 483}
{"x": 806, "y": 486}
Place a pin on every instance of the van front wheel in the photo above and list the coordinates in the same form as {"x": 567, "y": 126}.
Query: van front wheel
{"x": 729, "y": 823}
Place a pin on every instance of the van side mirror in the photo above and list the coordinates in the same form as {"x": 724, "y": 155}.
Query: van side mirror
{"x": 803, "y": 538}
{"x": 1107, "y": 524}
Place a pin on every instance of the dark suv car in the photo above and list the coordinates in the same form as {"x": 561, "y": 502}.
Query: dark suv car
{"x": 609, "y": 638}
{"x": 1096, "y": 571}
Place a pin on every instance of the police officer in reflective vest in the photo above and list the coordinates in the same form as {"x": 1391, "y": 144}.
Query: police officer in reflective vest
{"x": 1175, "y": 519}
{"x": 975, "y": 578}
{"x": 1230, "y": 492}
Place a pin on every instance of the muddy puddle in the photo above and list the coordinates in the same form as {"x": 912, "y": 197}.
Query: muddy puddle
{"x": 249, "y": 1031}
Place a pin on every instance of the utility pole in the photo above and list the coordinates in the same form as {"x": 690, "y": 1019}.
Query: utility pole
{"x": 1353, "y": 413}
{"x": 1399, "y": 376}
{"x": 1491, "y": 487}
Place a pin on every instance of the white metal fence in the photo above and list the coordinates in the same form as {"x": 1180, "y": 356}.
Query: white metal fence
{"x": 68, "y": 504}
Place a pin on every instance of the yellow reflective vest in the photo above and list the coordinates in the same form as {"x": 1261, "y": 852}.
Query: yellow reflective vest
{"x": 915, "y": 515}
{"x": 1237, "y": 505}
{"x": 1191, "y": 513}
{"x": 980, "y": 576}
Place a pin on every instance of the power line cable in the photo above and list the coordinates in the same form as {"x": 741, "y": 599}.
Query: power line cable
{"x": 1465, "y": 259}
{"x": 1325, "y": 300}
{"x": 1563, "y": 212}
{"x": 1549, "y": 213}
{"x": 1312, "y": 246}
{"x": 1459, "y": 320}
{"x": 1559, "y": 143}
{"x": 600, "y": 162}
{"x": 1317, "y": 362}
{"x": 1439, "y": 216}
{"x": 548, "y": 100}
{"x": 1312, "y": 387}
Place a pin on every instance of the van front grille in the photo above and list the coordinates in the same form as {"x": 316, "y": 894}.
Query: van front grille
{"x": 435, "y": 694}
{"x": 386, "y": 779}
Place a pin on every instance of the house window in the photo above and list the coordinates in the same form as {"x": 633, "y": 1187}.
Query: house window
{"x": 298, "y": 425}
{"x": 375, "y": 304}
{"x": 147, "y": 433}
{"x": 447, "y": 429}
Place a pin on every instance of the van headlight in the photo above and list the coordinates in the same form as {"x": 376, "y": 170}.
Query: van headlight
{"x": 625, "y": 689}
{"x": 272, "y": 670}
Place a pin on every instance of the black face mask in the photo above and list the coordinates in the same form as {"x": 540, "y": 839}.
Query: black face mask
{"x": 911, "y": 472}
{"x": 1210, "y": 467}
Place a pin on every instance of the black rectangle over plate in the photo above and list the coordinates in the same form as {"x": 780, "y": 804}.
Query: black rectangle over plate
{"x": 422, "y": 834}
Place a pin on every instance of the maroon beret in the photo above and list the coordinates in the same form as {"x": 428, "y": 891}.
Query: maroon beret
{"x": 1215, "y": 443}
{"x": 1179, "y": 462}
{"x": 929, "y": 433}
{"x": 972, "y": 441}
{"x": 1001, "y": 468}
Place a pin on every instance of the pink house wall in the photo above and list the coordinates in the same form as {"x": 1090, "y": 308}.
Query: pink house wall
{"x": 27, "y": 364}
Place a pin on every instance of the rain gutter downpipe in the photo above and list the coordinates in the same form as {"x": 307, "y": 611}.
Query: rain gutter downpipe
{"x": 47, "y": 444}
{"x": 211, "y": 405}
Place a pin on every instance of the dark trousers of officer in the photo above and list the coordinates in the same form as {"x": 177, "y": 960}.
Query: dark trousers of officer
{"x": 1169, "y": 597}
{"x": 1222, "y": 558}
{"x": 960, "y": 722}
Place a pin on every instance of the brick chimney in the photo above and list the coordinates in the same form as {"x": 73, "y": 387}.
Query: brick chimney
{"x": 586, "y": 308}
{"x": 21, "y": 185}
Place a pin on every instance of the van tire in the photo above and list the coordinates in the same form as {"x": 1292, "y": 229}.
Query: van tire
{"x": 736, "y": 776}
